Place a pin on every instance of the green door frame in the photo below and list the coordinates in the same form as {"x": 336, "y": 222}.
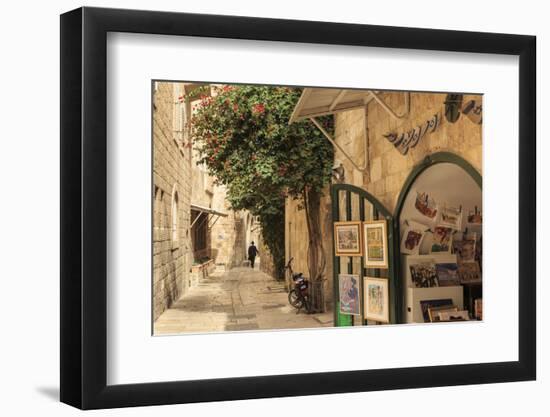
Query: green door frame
{"x": 429, "y": 161}
{"x": 380, "y": 212}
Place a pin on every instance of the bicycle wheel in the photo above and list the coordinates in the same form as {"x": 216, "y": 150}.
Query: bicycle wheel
{"x": 295, "y": 299}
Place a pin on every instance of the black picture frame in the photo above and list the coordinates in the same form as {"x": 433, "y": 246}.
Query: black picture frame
{"x": 84, "y": 207}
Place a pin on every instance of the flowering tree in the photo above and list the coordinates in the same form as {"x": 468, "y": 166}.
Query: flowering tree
{"x": 244, "y": 138}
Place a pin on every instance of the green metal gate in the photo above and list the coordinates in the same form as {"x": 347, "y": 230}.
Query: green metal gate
{"x": 351, "y": 203}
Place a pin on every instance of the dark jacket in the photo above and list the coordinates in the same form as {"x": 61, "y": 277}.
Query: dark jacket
{"x": 252, "y": 251}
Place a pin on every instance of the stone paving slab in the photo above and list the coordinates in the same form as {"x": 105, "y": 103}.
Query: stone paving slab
{"x": 241, "y": 299}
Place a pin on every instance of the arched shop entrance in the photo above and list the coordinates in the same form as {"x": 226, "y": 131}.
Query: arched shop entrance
{"x": 451, "y": 185}
{"x": 436, "y": 227}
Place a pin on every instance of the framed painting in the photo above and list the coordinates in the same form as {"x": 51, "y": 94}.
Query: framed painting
{"x": 375, "y": 235}
{"x": 196, "y": 197}
{"x": 347, "y": 238}
{"x": 376, "y": 299}
{"x": 350, "y": 298}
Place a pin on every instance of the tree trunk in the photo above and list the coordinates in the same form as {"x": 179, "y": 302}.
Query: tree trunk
{"x": 316, "y": 260}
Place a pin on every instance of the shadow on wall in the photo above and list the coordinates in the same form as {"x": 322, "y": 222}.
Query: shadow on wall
{"x": 170, "y": 282}
{"x": 214, "y": 254}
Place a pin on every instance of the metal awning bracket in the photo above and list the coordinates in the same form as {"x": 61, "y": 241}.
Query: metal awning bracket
{"x": 388, "y": 109}
{"x": 196, "y": 218}
{"x": 331, "y": 140}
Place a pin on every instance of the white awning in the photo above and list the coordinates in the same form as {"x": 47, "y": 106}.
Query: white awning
{"x": 315, "y": 102}
{"x": 207, "y": 210}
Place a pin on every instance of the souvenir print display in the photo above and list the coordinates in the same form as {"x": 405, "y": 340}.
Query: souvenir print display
{"x": 461, "y": 315}
{"x": 424, "y": 275}
{"x": 425, "y": 306}
{"x": 469, "y": 272}
{"x": 465, "y": 249}
{"x": 376, "y": 244}
{"x": 426, "y": 205}
{"x": 435, "y": 312}
{"x": 376, "y": 299}
{"x": 347, "y": 238}
{"x": 474, "y": 216}
{"x": 447, "y": 274}
{"x": 350, "y": 302}
{"x": 451, "y": 217}
{"x": 412, "y": 238}
{"x": 478, "y": 308}
{"x": 442, "y": 237}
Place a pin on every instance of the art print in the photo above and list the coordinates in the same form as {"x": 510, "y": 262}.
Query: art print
{"x": 350, "y": 302}
{"x": 441, "y": 239}
{"x": 347, "y": 236}
{"x": 425, "y": 306}
{"x": 426, "y": 205}
{"x": 465, "y": 249}
{"x": 447, "y": 274}
{"x": 424, "y": 274}
{"x": 469, "y": 272}
{"x": 412, "y": 237}
{"x": 376, "y": 299}
{"x": 451, "y": 217}
{"x": 376, "y": 244}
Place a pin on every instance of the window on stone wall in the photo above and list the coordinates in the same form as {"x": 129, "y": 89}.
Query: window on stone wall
{"x": 175, "y": 217}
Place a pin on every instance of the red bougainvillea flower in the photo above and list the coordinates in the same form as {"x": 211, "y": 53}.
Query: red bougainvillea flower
{"x": 227, "y": 88}
{"x": 258, "y": 108}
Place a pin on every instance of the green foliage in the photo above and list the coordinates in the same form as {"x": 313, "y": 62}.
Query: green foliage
{"x": 243, "y": 136}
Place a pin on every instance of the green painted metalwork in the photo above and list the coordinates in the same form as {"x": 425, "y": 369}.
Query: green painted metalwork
{"x": 380, "y": 212}
{"x": 430, "y": 160}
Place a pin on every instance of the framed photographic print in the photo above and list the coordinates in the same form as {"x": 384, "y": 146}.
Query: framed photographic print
{"x": 350, "y": 301}
{"x": 376, "y": 299}
{"x": 376, "y": 244}
{"x": 206, "y": 162}
{"x": 347, "y": 238}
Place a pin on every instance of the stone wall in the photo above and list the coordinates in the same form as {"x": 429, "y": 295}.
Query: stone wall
{"x": 171, "y": 194}
{"x": 388, "y": 168}
{"x": 229, "y": 234}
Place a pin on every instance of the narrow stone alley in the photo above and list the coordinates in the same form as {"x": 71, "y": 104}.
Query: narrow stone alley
{"x": 239, "y": 299}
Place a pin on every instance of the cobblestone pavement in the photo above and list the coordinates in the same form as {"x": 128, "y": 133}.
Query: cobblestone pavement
{"x": 239, "y": 299}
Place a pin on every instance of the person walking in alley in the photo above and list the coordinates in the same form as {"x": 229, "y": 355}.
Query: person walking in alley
{"x": 252, "y": 252}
